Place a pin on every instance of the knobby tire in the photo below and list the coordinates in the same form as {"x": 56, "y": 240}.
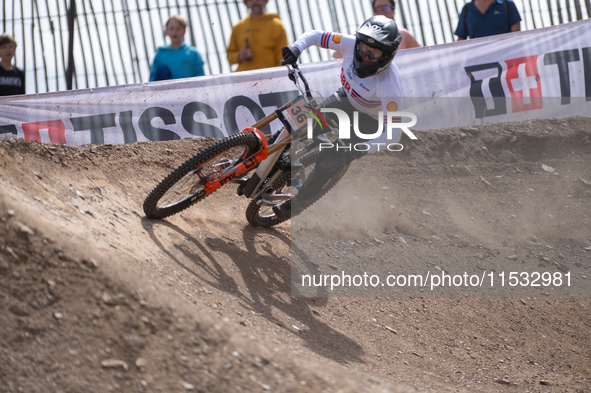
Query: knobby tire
{"x": 169, "y": 197}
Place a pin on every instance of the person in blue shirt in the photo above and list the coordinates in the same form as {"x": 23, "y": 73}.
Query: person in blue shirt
{"x": 177, "y": 60}
{"x": 483, "y": 18}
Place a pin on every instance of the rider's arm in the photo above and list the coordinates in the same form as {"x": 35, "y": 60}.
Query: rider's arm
{"x": 324, "y": 39}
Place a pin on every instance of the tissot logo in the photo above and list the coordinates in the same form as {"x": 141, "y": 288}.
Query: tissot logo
{"x": 524, "y": 79}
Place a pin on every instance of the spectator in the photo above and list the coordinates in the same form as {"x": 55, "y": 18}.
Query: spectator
{"x": 387, "y": 8}
{"x": 261, "y": 31}
{"x": 177, "y": 60}
{"x": 12, "y": 79}
{"x": 483, "y": 18}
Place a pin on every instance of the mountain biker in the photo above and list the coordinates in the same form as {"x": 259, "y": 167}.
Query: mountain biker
{"x": 370, "y": 83}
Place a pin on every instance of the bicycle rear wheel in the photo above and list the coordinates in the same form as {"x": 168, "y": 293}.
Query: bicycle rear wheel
{"x": 183, "y": 187}
{"x": 261, "y": 214}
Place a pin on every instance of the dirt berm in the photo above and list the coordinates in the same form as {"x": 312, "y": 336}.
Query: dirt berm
{"x": 94, "y": 297}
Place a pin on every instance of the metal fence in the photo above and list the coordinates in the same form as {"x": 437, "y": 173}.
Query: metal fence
{"x": 72, "y": 44}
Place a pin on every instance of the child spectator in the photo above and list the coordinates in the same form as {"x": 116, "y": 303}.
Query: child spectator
{"x": 177, "y": 60}
{"x": 12, "y": 79}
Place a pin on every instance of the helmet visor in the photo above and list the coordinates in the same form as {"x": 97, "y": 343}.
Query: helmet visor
{"x": 369, "y": 55}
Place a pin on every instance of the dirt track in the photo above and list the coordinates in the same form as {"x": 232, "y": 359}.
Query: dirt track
{"x": 95, "y": 297}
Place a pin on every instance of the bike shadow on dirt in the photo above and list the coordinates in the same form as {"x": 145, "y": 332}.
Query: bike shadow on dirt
{"x": 266, "y": 288}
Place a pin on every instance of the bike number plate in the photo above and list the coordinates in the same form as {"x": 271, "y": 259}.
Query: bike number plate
{"x": 299, "y": 112}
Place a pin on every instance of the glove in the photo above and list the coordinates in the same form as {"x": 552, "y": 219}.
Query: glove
{"x": 290, "y": 54}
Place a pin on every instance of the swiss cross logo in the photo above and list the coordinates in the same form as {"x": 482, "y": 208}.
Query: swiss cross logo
{"x": 45, "y": 131}
{"x": 525, "y": 82}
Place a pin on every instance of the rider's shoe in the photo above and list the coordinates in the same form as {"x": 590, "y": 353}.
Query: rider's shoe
{"x": 283, "y": 210}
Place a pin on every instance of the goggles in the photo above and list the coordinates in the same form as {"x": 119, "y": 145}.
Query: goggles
{"x": 383, "y": 9}
{"x": 373, "y": 54}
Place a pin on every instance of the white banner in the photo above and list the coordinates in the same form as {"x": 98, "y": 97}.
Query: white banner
{"x": 512, "y": 77}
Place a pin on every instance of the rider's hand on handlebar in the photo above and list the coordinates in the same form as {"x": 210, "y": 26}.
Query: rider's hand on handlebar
{"x": 290, "y": 54}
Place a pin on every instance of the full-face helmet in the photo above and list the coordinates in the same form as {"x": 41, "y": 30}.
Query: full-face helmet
{"x": 377, "y": 41}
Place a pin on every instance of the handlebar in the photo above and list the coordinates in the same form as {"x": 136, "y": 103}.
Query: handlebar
{"x": 294, "y": 73}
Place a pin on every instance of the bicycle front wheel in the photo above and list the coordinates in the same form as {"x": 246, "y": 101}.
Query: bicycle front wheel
{"x": 184, "y": 186}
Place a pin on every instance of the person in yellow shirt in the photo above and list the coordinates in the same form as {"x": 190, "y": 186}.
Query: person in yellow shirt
{"x": 256, "y": 40}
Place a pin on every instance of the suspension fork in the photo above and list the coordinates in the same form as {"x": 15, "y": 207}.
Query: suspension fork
{"x": 249, "y": 163}
{"x": 253, "y": 184}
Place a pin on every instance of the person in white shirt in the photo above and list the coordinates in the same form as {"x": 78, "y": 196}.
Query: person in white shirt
{"x": 370, "y": 84}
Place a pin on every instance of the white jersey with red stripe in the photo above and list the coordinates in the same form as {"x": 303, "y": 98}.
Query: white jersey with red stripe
{"x": 372, "y": 94}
